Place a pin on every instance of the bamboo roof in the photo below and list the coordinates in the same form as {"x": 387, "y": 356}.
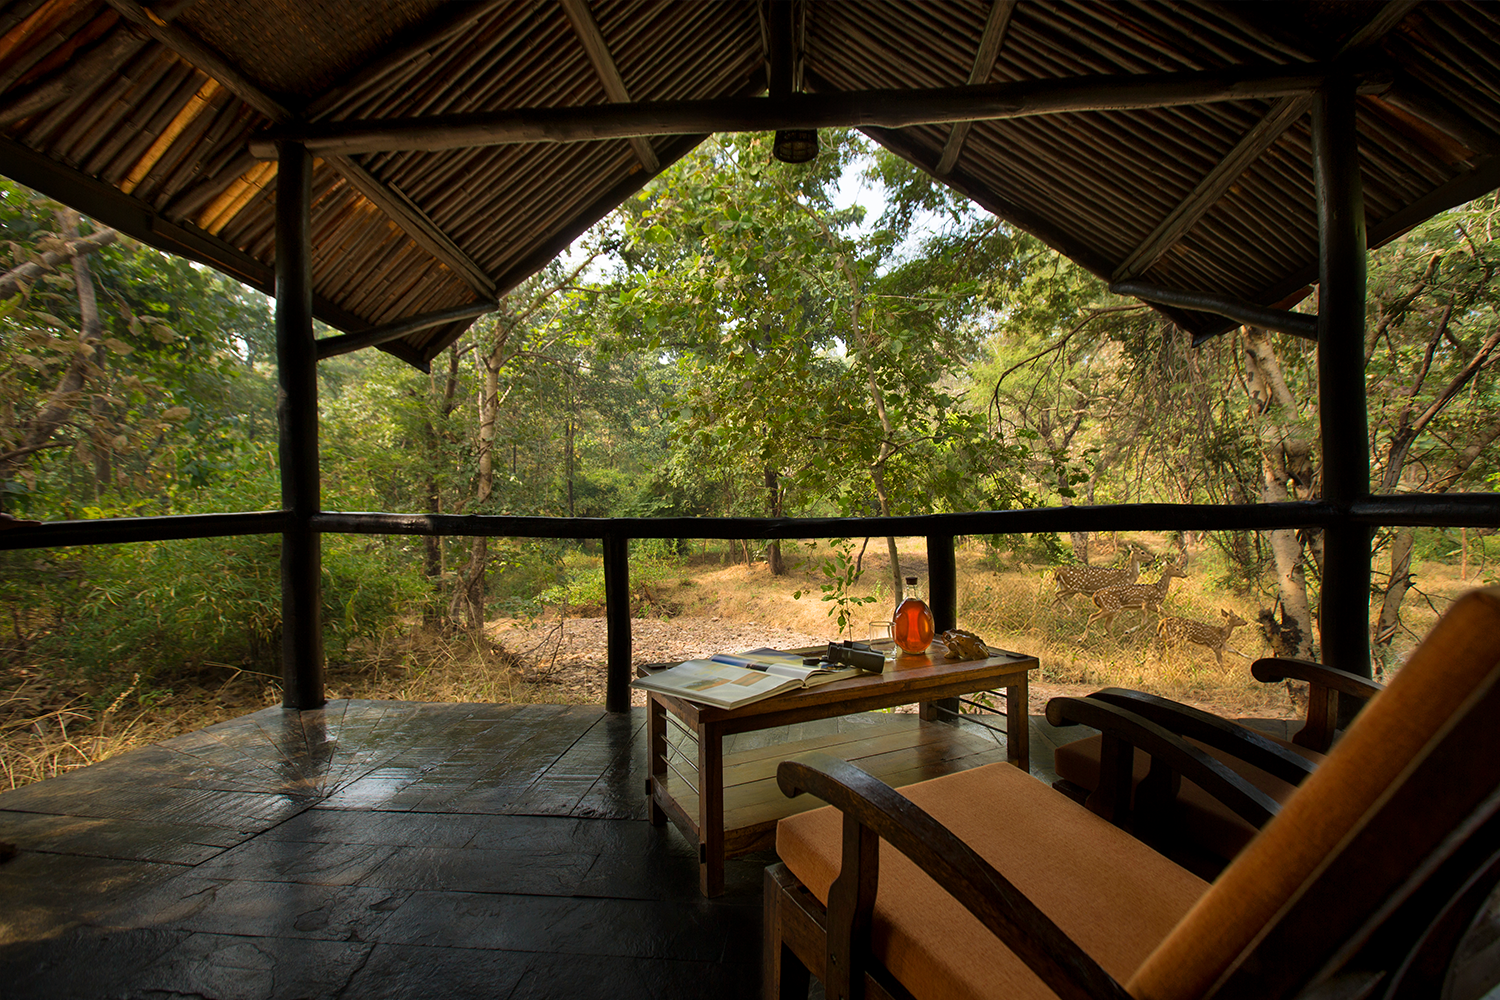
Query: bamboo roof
{"x": 144, "y": 118}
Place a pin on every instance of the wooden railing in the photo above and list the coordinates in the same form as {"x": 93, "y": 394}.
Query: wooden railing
{"x": 1450, "y": 510}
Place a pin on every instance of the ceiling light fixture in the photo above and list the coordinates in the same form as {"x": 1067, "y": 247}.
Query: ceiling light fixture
{"x": 796, "y": 145}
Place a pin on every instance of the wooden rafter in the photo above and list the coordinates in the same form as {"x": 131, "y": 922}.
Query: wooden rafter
{"x": 863, "y": 109}
{"x": 201, "y": 56}
{"x": 460, "y": 18}
{"x": 592, "y": 39}
{"x": 1213, "y": 187}
{"x": 990, "y": 44}
{"x": 1243, "y": 313}
{"x": 412, "y": 220}
{"x": 1255, "y": 142}
{"x": 329, "y": 347}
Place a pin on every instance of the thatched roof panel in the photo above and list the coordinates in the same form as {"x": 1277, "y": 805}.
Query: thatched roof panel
{"x": 142, "y": 120}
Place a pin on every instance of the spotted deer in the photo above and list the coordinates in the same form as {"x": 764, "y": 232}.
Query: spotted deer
{"x": 1110, "y": 601}
{"x": 1090, "y": 579}
{"x": 1174, "y": 631}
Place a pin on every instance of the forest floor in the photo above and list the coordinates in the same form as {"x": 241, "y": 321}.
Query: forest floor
{"x": 51, "y": 721}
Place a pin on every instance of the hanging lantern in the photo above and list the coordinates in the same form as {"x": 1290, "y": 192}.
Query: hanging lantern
{"x": 796, "y": 145}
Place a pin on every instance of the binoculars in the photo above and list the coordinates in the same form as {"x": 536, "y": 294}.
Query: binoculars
{"x": 855, "y": 654}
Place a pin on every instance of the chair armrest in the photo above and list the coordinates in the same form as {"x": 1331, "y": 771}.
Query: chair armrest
{"x": 1325, "y": 684}
{"x": 1271, "y": 669}
{"x": 1124, "y": 730}
{"x": 1221, "y": 734}
{"x": 871, "y": 804}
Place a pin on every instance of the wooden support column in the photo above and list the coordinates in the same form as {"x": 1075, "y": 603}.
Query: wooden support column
{"x": 942, "y": 600}
{"x": 942, "y": 582}
{"x": 1344, "y": 426}
{"x": 617, "y": 623}
{"x": 297, "y": 417}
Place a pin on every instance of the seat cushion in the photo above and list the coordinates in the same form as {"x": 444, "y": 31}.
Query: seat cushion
{"x": 1113, "y": 895}
{"x": 1460, "y": 652}
{"x": 1206, "y": 823}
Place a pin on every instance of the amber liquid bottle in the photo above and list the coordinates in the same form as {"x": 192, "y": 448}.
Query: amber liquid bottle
{"x": 912, "y": 625}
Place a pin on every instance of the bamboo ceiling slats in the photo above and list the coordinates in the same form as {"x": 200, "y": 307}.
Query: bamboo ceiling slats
{"x": 159, "y": 112}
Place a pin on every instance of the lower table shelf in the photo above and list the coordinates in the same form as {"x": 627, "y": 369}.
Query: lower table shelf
{"x": 900, "y": 749}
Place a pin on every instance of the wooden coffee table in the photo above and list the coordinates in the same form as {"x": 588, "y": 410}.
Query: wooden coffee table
{"x": 902, "y": 749}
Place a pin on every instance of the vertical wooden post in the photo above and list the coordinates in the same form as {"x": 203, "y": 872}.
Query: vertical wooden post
{"x": 297, "y": 417}
{"x": 780, "y": 28}
{"x": 1344, "y": 426}
{"x": 942, "y": 582}
{"x": 942, "y": 601}
{"x": 617, "y": 623}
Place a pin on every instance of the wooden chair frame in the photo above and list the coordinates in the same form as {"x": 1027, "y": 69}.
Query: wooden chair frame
{"x": 1149, "y": 810}
{"x": 1380, "y": 918}
{"x": 1324, "y": 685}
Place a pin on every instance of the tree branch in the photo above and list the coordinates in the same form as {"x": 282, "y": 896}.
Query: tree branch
{"x": 21, "y": 277}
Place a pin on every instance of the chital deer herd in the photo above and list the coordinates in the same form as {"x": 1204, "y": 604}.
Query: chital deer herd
{"x": 1114, "y": 589}
{"x": 1174, "y": 631}
{"x": 1110, "y": 601}
{"x": 1091, "y": 579}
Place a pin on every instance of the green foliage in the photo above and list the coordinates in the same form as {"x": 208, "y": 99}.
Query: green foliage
{"x": 162, "y": 609}
{"x": 842, "y": 571}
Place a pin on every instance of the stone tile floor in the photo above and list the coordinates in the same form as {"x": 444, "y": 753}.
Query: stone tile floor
{"x": 375, "y": 849}
{"x": 390, "y": 849}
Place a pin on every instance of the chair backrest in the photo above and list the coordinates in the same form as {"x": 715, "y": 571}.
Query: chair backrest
{"x": 1383, "y": 808}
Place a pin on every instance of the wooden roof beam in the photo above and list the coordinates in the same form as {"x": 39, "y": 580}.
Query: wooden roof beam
{"x": 423, "y": 231}
{"x": 594, "y": 44}
{"x": 1213, "y": 187}
{"x": 197, "y": 54}
{"x": 863, "y": 109}
{"x": 1244, "y": 313}
{"x": 1260, "y": 138}
{"x": 329, "y": 347}
{"x": 990, "y": 44}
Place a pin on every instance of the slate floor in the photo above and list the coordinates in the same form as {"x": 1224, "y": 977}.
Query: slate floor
{"x": 375, "y": 849}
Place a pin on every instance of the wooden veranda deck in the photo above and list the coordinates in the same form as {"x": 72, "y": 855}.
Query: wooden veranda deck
{"x": 377, "y": 849}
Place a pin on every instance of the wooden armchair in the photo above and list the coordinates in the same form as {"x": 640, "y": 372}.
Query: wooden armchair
{"x": 987, "y": 883}
{"x": 1162, "y": 798}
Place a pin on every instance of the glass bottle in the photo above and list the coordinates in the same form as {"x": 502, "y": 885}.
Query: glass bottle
{"x": 912, "y": 624}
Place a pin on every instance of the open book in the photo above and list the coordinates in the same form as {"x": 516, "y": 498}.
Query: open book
{"x": 729, "y": 681}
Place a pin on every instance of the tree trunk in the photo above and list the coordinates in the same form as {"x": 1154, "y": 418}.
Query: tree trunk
{"x": 1285, "y": 459}
{"x": 92, "y": 333}
{"x": 1080, "y": 540}
{"x": 1389, "y": 622}
{"x": 470, "y": 595}
{"x": 774, "y": 558}
{"x": 68, "y": 393}
{"x": 432, "y": 545}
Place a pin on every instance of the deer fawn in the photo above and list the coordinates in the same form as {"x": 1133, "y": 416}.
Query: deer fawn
{"x": 1174, "y": 631}
{"x": 1091, "y": 579}
{"x": 1110, "y": 601}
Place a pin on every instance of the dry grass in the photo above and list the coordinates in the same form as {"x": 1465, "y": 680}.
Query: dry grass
{"x": 49, "y": 725}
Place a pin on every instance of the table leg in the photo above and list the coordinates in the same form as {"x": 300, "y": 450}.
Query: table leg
{"x": 656, "y": 727}
{"x": 1018, "y": 724}
{"x": 942, "y": 710}
{"x": 710, "y": 810}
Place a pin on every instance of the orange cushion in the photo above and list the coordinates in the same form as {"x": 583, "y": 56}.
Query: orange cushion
{"x": 1455, "y": 657}
{"x": 1205, "y": 821}
{"x": 1113, "y": 895}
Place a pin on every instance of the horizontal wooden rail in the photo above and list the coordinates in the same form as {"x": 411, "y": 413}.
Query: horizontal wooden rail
{"x": 1122, "y": 517}
{"x": 119, "y": 530}
{"x": 1455, "y": 510}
